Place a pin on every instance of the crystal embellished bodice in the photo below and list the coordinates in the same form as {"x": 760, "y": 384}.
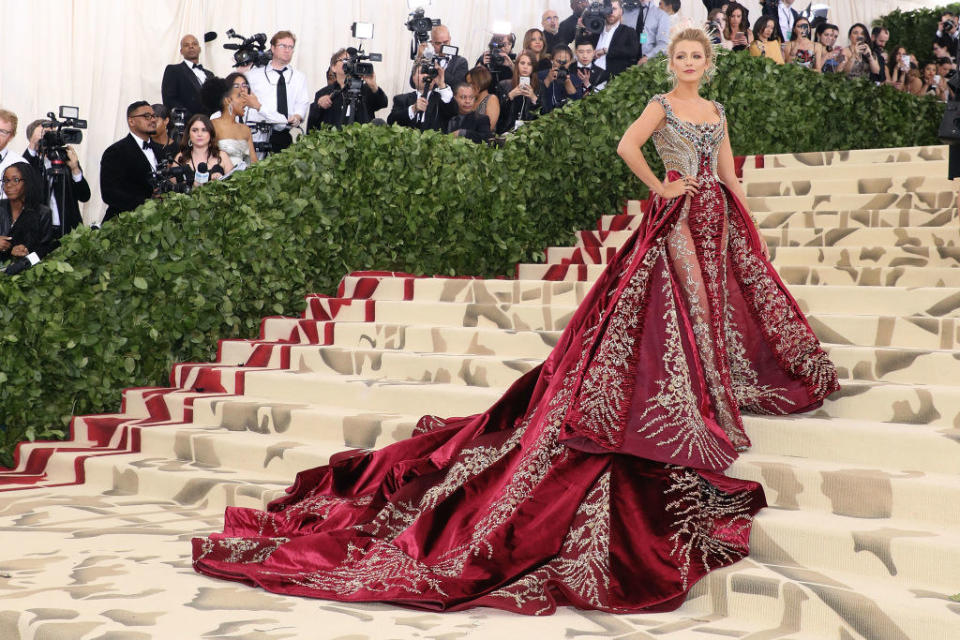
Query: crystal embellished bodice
{"x": 687, "y": 147}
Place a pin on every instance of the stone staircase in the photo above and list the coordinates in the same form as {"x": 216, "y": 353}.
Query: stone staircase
{"x": 861, "y": 540}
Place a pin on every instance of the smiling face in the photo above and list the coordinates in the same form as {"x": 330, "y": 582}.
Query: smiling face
{"x": 535, "y": 42}
{"x": 13, "y": 184}
{"x": 689, "y": 61}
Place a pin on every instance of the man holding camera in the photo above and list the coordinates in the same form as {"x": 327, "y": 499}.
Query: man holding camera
{"x": 8, "y": 129}
{"x": 66, "y": 193}
{"x": 499, "y": 57}
{"x": 948, "y": 35}
{"x": 425, "y": 109}
{"x": 281, "y": 90}
{"x": 127, "y": 166}
{"x": 181, "y": 82}
{"x": 571, "y": 25}
{"x": 351, "y": 98}
{"x": 617, "y": 46}
{"x": 455, "y": 66}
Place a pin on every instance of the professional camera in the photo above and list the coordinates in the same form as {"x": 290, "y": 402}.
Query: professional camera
{"x": 251, "y": 51}
{"x": 178, "y": 123}
{"x": 630, "y": 5}
{"x": 496, "y": 58}
{"x": 949, "y": 26}
{"x": 562, "y": 73}
{"x": 595, "y": 16}
{"x": 420, "y": 25}
{"x": 355, "y": 67}
{"x": 172, "y": 178}
{"x": 60, "y": 133}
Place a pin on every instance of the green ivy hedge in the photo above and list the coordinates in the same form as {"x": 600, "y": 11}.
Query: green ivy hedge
{"x": 116, "y": 308}
{"x": 915, "y": 29}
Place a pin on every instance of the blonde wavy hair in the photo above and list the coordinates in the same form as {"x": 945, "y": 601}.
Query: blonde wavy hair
{"x": 688, "y": 33}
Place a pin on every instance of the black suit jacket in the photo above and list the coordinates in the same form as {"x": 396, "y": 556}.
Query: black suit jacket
{"x": 125, "y": 175}
{"x": 32, "y": 229}
{"x": 473, "y": 126}
{"x": 181, "y": 88}
{"x": 624, "y": 49}
{"x": 454, "y": 74}
{"x": 774, "y": 12}
{"x": 436, "y": 116}
{"x": 68, "y": 194}
{"x": 567, "y": 32}
{"x": 370, "y": 103}
{"x": 597, "y": 77}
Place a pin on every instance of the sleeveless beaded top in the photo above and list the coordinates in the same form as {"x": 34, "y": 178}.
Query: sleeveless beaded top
{"x": 689, "y": 147}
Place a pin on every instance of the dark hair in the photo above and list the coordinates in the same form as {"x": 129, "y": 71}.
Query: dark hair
{"x": 941, "y": 61}
{"x": 761, "y": 24}
{"x": 33, "y": 127}
{"x": 877, "y": 31}
{"x": 32, "y": 191}
{"x": 461, "y": 85}
{"x": 136, "y": 105}
{"x": 161, "y": 111}
{"x": 560, "y": 48}
{"x": 744, "y": 22}
{"x": 794, "y": 33}
{"x": 581, "y": 41}
{"x": 823, "y": 26}
{"x": 215, "y": 90}
{"x": 280, "y": 35}
{"x": 480, "y": 78}
{"x": 674, "y": 4}
{"x": 866, "y": 32}
{"x": 185, "y": 144}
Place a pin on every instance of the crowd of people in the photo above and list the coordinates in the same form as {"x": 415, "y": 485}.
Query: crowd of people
{"x": 206, "y": 127}
{"x": 787, "y": 37}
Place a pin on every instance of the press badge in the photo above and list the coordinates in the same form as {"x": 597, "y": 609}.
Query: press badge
{"x": 643, "y": 38}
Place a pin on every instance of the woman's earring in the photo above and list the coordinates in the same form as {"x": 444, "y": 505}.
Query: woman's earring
{"x": 230, "y": 108}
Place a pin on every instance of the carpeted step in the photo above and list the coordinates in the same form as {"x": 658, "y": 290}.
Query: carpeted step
{"x": 895, "y": 170}
{"x": 923, "y": 200}
{"x": 895, "y": 403}
{"x": 895, "y": 364}
{"x": 802, "y": 184}
{"x": 858, "y": 157}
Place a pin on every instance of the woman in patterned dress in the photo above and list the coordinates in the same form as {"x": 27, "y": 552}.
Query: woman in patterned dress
{"x": 596, "y": 480}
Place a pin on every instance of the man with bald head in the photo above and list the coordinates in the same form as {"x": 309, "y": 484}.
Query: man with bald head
{"x": 181, "y": 82}
{"x": 455, "y": 68}
{"x": 550, "y": 22}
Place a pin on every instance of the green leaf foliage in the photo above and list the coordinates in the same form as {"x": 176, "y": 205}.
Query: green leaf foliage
{"x": 116, "y": 308}
{"x": 915, "y": 29}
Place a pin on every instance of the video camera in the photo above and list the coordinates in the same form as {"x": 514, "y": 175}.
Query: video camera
{"x": 595, "y": 16}
{"x": 421, "y": 25}
{"x": 430, "y": 59}
{"x": 251, "y": 51}
{"x": 178, "y": 124}
{"x": 630, "y": 5}
{"x": 172, "y": 178}
{"x": 53, "y": 143}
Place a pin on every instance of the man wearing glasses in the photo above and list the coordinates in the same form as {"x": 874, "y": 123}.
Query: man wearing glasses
{"x": 128, "y": 164}
{"x": 181, "y": 82}
{"x": 281, "y": 90}
{"x": 8, "y": 129}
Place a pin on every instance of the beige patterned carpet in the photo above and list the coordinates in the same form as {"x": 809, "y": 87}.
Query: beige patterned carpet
{"x": 861, "y": 542}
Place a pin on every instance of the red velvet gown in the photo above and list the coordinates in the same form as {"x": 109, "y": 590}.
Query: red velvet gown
{"x": 595, "y": 481}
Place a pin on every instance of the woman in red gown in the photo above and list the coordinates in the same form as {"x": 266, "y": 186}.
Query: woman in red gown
{"x": 596, "y": 480}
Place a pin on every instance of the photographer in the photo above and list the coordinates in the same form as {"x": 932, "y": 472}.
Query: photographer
{"x": 860, "y": 60}
{"x": 948, "y": 35}
{"x": 65, "y": 194}
{"x": 571, "y": 25}
{"x": 617, "y": 47}
{"x": 499, "y": 57}
{"x": 25, "y": 232}
{"x": 558, "y": 87}
{"x": 127, "y": 166}
{"x": 332, "y": 106}
{"x": 181, "y": 83}
{"x": 455, "y": 67}
{"x": 468, "y": 123}
{"x": 168, "y": 146}
{"x": 281, "y": 90}
{"x": 430, "y": 110}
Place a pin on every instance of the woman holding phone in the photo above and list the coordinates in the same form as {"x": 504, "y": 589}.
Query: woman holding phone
{"x": 860, "y": 60}
{"x": 523, "y": 94}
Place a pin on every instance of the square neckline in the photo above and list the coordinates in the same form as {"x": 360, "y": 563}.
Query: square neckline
{"x": 671, "y": 112}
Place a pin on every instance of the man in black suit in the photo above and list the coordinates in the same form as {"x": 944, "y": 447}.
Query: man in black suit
{"x": 181, "y": 82}
{"x": 128, "y": 164}
{"x": 454, "y": 67}
{"x": 617, "y": 46}
{"x": 468, "y": 123}
{"x": 67, "y": 185}
{"x": 551, "y": 29}
{"x": 587, "y": 77}
{"x": 425, "y": 110}
{"x": 567, "y": 32}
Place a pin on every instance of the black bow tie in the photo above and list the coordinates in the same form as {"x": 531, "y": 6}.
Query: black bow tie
{"x": 146, "y": 145}
{"x": 198, "y": 66}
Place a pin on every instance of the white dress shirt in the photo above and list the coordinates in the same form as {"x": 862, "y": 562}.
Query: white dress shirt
{"x": 263, "y": 84}
{"x": 786, "y": 20}
{"x": 201, "y": 76}
{"x": 656, "y": 26}
{"x": 604, "y": 43}
{"x": 446, "y": 95}
{"x": 77, "y": 177}
{"x": 148, "y": 153}
{"x": 7, "y": 158}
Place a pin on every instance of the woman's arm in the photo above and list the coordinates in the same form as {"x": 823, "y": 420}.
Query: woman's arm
{"x": 226, "y": 163}
{"x": 727, "y": 172}
{"x": 493, "y": 111}
{"x": 874, "y": 63}
{"x": 630, "y": 149}
{"x": 251, "y": 148}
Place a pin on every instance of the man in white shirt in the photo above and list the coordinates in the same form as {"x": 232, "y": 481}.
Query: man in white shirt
{"x": 282, "y": 91}
{"x": 784, "y": 18}
{"x": 652, "y": 26}
{"x": 8, "y": 129}
{"x": 617, "y": 45}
